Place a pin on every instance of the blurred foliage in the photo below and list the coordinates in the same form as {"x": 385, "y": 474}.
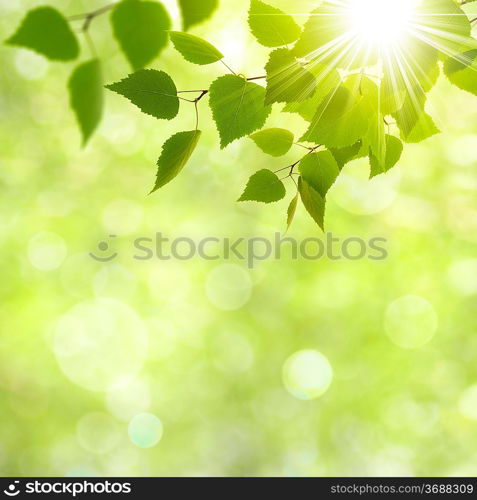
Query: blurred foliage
{"x": 208, "y": 362}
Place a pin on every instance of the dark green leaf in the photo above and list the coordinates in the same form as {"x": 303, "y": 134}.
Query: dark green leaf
{"x": 176, "y": 153}
{"x": 274, "y": 141}
{"x": 238, "y": 107}
{"x": 86, "y": 96}
{"x": 141, "y": 30}
{"x": 313, "y": 201}
{"x": 264, "y": 186}
{"x": 47, "y": 32}
{"x": 194, "y": 49}
{"x": 153, "y": 92}
{"x": 196, "y": 11}
{"x": 271, "y": 26}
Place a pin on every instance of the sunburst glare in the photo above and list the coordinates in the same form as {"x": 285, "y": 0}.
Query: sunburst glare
{"x": 381, "y": 22}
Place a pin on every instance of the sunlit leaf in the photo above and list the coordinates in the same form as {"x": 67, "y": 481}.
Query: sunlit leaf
{"x": 339, "y": 121}
{"x": 348, "y": 153}
{"x": 291, "y": 212}
{"x": 194, "y": 49}
{"x": 394, "y": 148}
{"x": 176, "y": 153}
{"x": 271, "y": 26}
{"x": 264, "y": 186}
{"x": 320, "y": 171}
{"x": 238, "y": 107}
{"x": 287, "y": 79}
{"x": 273, "y": 141}
{"x": 327, "y": 80}
{"x": 461, "y": 70}
{"x": 153, "y": 92}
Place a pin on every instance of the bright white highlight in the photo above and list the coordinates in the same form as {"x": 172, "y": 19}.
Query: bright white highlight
{"x": 381, "y": 22}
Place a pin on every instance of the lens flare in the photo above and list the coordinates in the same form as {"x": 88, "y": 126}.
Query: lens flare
{"x": 381, "y": 22}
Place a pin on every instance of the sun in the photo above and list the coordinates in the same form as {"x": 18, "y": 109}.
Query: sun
{"x": 381, "y": 23}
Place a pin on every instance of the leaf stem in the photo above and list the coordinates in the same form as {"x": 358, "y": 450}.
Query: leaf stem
{"x": 228, "y": 67}
{"x": 89, "y": 17}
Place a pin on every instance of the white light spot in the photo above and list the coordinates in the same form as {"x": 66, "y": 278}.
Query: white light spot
{"x": 229, "y": 287}
{"x": 114, "y": 281}
{"x": 46, "y": 251}
{"x": 145, "y": 430}
{"x": 307, "y": 374}
{"x": 463, "y": 276}
{"x": 130, "y": 397}
{"x": 463, "y": 150}
{"x": 98, "y": 433}
{"x": 122, "y": 217}
{"x": 354, "y": 192}
{"x": 381, "y": 22}
{"x": 30, "y": 65}
{"x": 468, "y": 403}
{"x": 232, "y": 353}
{"x": 98, "y": 342}
{"x": 411, "y": 322}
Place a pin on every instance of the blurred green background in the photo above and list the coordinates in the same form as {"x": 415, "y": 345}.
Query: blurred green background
{"x": 209, "y": 368}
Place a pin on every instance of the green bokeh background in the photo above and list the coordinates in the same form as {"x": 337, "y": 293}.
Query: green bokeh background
{"x": 219, "y": 334}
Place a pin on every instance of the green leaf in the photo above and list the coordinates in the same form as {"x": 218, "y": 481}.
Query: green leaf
{"x": 461, "y": 71}
{"x": 287, "y": 80}
{"x": 271, "y": 26}
{"x": 339, "y": 121}
{"x": 47, "y": 32}
{"x": 414, "y": 123}
{"x": 444, "y": 23}
{"x": 320, "y": 171}
{"x": 418, "y": 75}
{"x": 274, "y": 141}
{"x": 194, "y": 49}
{"x": 313, "y": 202}
{"x": 176, "y": 152}
{"x": 325, "y": 24}
{"x": 86, "y": 96}
{"x": 196, "y": 11}
{"x": 394, "y": 148}
{"x": 348, "y": 153}
{"x": 291, "y": 212}
{"x": 238, "y": 107}
{"x": 153, "y": 92}
{"x": 141, "y": 30}
{"x": 327, "y": 80}
{"x": 264, "y": 186}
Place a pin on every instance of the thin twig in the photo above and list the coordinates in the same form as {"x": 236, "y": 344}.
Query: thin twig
{"x": 89, "y": 17}
{"x": 228, "y": 67}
